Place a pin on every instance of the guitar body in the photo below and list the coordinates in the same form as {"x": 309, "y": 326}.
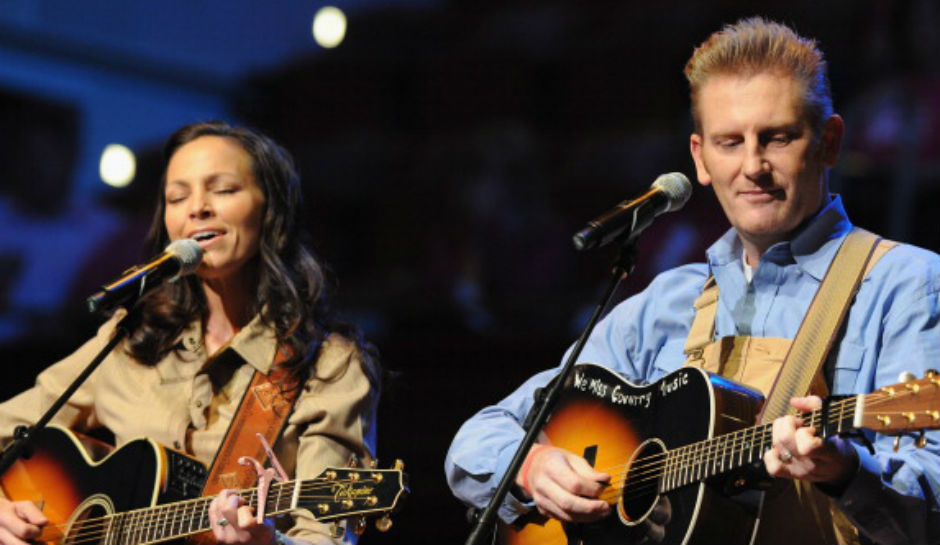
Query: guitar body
{"x": 71, "y": 485}
{"x": 616, "y": 425}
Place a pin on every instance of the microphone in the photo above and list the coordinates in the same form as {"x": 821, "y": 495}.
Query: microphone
{"x": 180, "y": 258}
{"x": 628, "y": 219}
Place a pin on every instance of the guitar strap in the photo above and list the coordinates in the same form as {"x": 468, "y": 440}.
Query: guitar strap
{"x": 264, "y": 408}
{"x": 822, "y": 322}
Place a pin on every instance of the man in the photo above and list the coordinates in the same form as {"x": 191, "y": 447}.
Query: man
{"x": 765, "y": 136}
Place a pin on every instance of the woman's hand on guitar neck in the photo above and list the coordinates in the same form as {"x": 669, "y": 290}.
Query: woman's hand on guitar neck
{"x": 798, "y": 453}
{"x": 563, "y": 485}
{"x": 20, "y": 521}
{"x": 234, "y": 523}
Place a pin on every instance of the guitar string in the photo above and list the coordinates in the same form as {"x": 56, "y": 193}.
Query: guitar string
{"x": 702, "y": 453}
{"x": 704, "y": 464}
{"x": 694, "y": 472}
{"x": 706, "y": 447}
{"x": 152, "y": 517}
{"x": 156, "y": 514}
{"x": 697, "y": 457}
{"x": 144, "y": 526}
{"x": 720, "y": 443}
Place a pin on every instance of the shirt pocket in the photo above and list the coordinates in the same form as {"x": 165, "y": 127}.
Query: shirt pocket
{"x": 848, "y": 364}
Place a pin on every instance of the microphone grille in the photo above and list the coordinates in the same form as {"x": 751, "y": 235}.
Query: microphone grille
{"x": 188, "y": 252}
{"x": 676, "y": 187}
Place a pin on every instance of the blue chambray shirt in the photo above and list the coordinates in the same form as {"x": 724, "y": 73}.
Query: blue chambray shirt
{"x": 893, "y": 326}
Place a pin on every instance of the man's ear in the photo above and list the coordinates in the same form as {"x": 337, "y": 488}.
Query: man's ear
{"x": 831, "y": 140}
{"x": 695, "y": 147}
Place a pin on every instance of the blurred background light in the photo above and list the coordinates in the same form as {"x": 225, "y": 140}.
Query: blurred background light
{"x": 118, "y": 165}
{"x": 329, "y": 27}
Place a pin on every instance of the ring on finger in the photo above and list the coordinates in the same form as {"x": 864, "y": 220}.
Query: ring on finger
{"x": 223, "y": 522}
{"x": 785, "y": 457}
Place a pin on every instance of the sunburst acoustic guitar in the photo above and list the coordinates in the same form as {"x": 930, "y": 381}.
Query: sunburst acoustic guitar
{"x": 655, "y": 447}
{"x": 145, "y": 493}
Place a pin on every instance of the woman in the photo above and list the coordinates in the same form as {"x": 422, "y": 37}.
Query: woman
{"x": 258, "y": 292}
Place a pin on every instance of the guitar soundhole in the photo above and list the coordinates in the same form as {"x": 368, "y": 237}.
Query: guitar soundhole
{"x": 88, "y": 525}
{"x": 641, "y": 482}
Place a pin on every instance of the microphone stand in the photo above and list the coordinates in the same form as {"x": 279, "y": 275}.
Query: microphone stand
{"x": 24, "y": 435}
{"x": 544, "y": 403}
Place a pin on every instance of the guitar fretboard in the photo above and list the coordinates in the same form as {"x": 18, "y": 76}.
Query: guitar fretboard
{"x": 171, "y": 521}
{"x": 698, "y": 461}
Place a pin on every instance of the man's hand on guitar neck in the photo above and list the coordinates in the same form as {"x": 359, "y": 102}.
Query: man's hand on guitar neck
{"x": 798, "y": 453}
{"x": 563, "y": 485}
{"x": 20, "y": 521}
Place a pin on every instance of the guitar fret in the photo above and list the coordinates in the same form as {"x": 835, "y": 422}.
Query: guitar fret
{"x": 174, "y": 518}
{"x": 202, "y": 523}
{"x": 672, "y": 471}
{"x": 114, "y": 530}
{"x": 674, "y": 468}
{"x": 146, "y": 526}
{"x": 700, "y": 461}
{"x": 137, "y": 529}
{"x": 277, "y": 503}
{"x": 192, "y": 517}
{"x": 842, "y": 407}
{"x": 159, "y": 524}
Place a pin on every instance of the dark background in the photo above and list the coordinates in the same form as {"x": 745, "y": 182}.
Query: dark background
{"x": 449, "y": 150}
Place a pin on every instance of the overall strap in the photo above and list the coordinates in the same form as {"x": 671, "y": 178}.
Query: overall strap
{"x": 822, "y": 322}
{"x": 702, "y": 331}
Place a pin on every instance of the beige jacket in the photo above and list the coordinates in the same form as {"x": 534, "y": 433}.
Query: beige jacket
{"x": 188, "y": 399}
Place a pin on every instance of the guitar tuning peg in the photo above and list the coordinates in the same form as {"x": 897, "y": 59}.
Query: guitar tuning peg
{"x": 921, "y": 440}
{"x": 360, "y": 526}
{"x": 399, "y": 465}
{"x": 383, "y": 524}
{"x": 353, "y": 461}
{"x": 373, "y": 463}
{"x": 906, "y": 376}
{"x": 897, "y": 443}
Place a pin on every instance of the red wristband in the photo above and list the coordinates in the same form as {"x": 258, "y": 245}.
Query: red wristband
{"x": 524, "y": 470}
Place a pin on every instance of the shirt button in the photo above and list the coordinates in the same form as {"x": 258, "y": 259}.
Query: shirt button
{"x": 177, "y": 445}
{"x": 198, "y": 404}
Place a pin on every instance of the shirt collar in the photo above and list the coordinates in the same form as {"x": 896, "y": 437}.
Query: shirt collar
{"x": 255, "y": 343}
{"x": 813, "y": 247}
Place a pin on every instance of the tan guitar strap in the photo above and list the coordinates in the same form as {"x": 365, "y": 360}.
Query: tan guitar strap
{"x": 264, "y": 409}
{"x": 822, "y": 322}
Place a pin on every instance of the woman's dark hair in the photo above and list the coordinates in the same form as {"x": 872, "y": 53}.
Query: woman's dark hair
{"x": 291, "y": 292}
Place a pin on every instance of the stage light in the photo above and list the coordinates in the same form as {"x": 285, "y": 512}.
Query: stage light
{"x": 118, "y": 165}
{"x": 329, "y": 27}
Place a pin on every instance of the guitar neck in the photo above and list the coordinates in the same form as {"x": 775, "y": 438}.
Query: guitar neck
{"x": 698, "y": 461}
{"x": 175, "y": 520}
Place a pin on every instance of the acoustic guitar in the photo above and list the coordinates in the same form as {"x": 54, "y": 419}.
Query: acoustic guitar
{"x": 701, "y": 462}
{"x": 145, "y": 493}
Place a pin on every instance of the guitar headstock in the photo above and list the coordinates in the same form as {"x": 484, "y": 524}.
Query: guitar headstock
{"x": 354, "y": 492}
{"x": 909, "y": 405}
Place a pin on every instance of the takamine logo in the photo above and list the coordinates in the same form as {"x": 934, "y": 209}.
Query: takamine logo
{"x": 349, "y": 491}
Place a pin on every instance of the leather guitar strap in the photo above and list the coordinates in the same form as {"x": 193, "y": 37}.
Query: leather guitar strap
{"x": 264, "y": 409}
{"x": 820, "y": 327}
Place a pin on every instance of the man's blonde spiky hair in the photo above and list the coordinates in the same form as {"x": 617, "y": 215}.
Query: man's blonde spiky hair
{"x": 756, "y": 45}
